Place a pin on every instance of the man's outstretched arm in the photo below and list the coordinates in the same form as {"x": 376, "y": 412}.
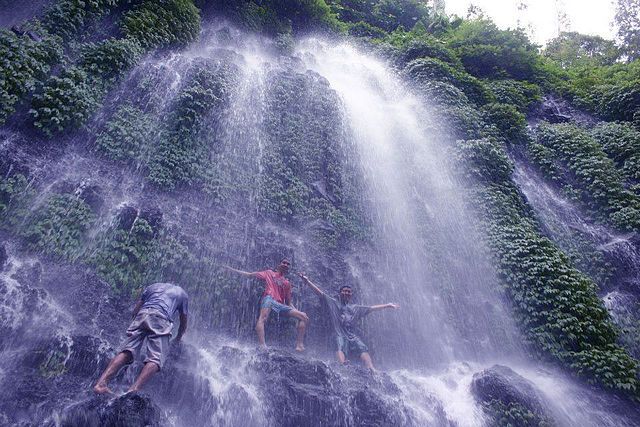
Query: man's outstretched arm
{"x": 182, "y": 328}
{"x": 244, "y": 273}
{"x": 312, "y": 285}
{"x": 383, "y": 306}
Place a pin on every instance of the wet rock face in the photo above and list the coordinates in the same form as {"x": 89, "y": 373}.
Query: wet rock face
{"x": 507, "y": 397}
{"x": 129, "y": 410}
{"x": 299, "y": 389}
{"x": 3, "y": 256}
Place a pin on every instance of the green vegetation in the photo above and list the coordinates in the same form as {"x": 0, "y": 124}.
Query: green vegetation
{"x": 304, "y": 175}
{"x": 161, "y": 24}
{"x": 273, "y": 17}
{"x": 576, "y": 161}
{"x": 514, "y": 414}
{"x": 557, "y": 306}
{"x": 68, "y": 18}
{"x": 23, "y": 63}
{"x": 126, "y": 133}
{"x": 16, "y": 193}
{"x": 481, "y": 81}
{"x": 621, "y": 143}
{"x": 69, "y": 100}
{"x": 58, "y": 226}
{"x": 182, "y": 156}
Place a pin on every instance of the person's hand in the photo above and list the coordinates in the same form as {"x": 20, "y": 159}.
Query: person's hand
{"x": 393, "y": 305}
{"x": 303, "y": 276}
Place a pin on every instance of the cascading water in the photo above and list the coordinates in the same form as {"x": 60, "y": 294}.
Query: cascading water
{"x": 422, "y": 252}
{"x": 603, "y": 248}
{"x": 428, "y": 257}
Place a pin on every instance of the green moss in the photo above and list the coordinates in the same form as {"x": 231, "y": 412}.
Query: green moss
{"x": 557, "y": 306}
{"x": 58, "y": 226}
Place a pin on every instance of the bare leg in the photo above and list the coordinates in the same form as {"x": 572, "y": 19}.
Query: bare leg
{"x": 303, "y": 319}
{"x": 114, "y": 366}
{"x": 150, "y": 368}
{"x": 366, "y": 359}
{"x": 341, "y": 357}
{"x": 264, "y": 315}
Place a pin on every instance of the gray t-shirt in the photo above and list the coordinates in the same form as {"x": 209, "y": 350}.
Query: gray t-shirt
{"x": 166, "y": 298}
{"x": 344, "y": 317}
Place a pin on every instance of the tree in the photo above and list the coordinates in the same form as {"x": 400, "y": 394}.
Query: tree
{"x": 572, "y": 49}
{"x": 627, "y": 19}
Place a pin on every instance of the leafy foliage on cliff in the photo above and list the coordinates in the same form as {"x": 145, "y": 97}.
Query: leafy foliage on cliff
{"x": 556, "y": 304}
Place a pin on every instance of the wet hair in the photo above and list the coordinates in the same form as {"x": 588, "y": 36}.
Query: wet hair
{"x": 344, "y": 286}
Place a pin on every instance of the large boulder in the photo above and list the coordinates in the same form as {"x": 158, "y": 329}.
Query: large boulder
{"x": 129, "y": 410}
{"x": 508, "y": 398}
{"x": 299, "y": 389}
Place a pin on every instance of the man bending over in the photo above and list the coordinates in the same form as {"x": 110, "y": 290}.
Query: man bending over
{"x": 153, "y": 321}
{"x": 277, "y": 297}
{"x": 344, "y": 317}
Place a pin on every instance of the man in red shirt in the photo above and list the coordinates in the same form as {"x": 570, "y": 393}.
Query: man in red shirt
{"x": 277, "y": 297}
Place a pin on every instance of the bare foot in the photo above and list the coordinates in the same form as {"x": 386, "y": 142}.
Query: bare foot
{"x": 102, "y": 388}
{"x": 300, "y": 348}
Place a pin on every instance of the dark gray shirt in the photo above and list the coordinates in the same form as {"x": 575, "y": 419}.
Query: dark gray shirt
{"x": 344, "y": 317}
{"x": 166, "y": 298}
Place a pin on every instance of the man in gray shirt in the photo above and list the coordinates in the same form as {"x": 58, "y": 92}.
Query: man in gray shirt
{"x": 153, "y": 321}
{"x": 344, "y": 317}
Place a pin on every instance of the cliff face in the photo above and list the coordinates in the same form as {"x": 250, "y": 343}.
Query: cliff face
{"x": 153, "y": 141}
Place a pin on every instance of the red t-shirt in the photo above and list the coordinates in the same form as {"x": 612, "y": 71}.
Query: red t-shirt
{"x": 276, "y": 285}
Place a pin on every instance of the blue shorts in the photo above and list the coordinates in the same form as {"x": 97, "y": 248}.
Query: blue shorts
{"x": 351, "y": 347}
{"x": 269, "y": 302}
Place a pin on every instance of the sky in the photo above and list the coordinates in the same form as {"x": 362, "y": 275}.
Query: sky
{"x": 591, "y": 17}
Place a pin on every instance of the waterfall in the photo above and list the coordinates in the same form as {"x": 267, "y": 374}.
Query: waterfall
{"x": 371, "y": 154}
{"x": 427, "y": 255}
{"x": 610, "y": 257}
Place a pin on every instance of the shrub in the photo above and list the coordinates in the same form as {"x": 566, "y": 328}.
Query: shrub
{"x": 487, "y": 51}
{"x": 107, "y": 60}
{"x": 511, "y": 123}
{"x": 424, "y": 69}
{"x": 621, "y": 142}
{"x": 125, "y": 134}
{"x": 67, "y": 18}
{"x": 522, "y": 95}
{"x": 183, "y": 153}
{"x": 23, "y": 63}
{"x": 164, "y": 23}
{"x": 65, "y": 101}
{"x": 16, "y": 195}
{"x": 558, "y": 307}
{"x": 58, "y": 226}
{"x": 591, "y": 173}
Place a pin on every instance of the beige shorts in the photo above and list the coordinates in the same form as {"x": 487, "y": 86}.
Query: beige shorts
{"x": 156, "y": 329}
